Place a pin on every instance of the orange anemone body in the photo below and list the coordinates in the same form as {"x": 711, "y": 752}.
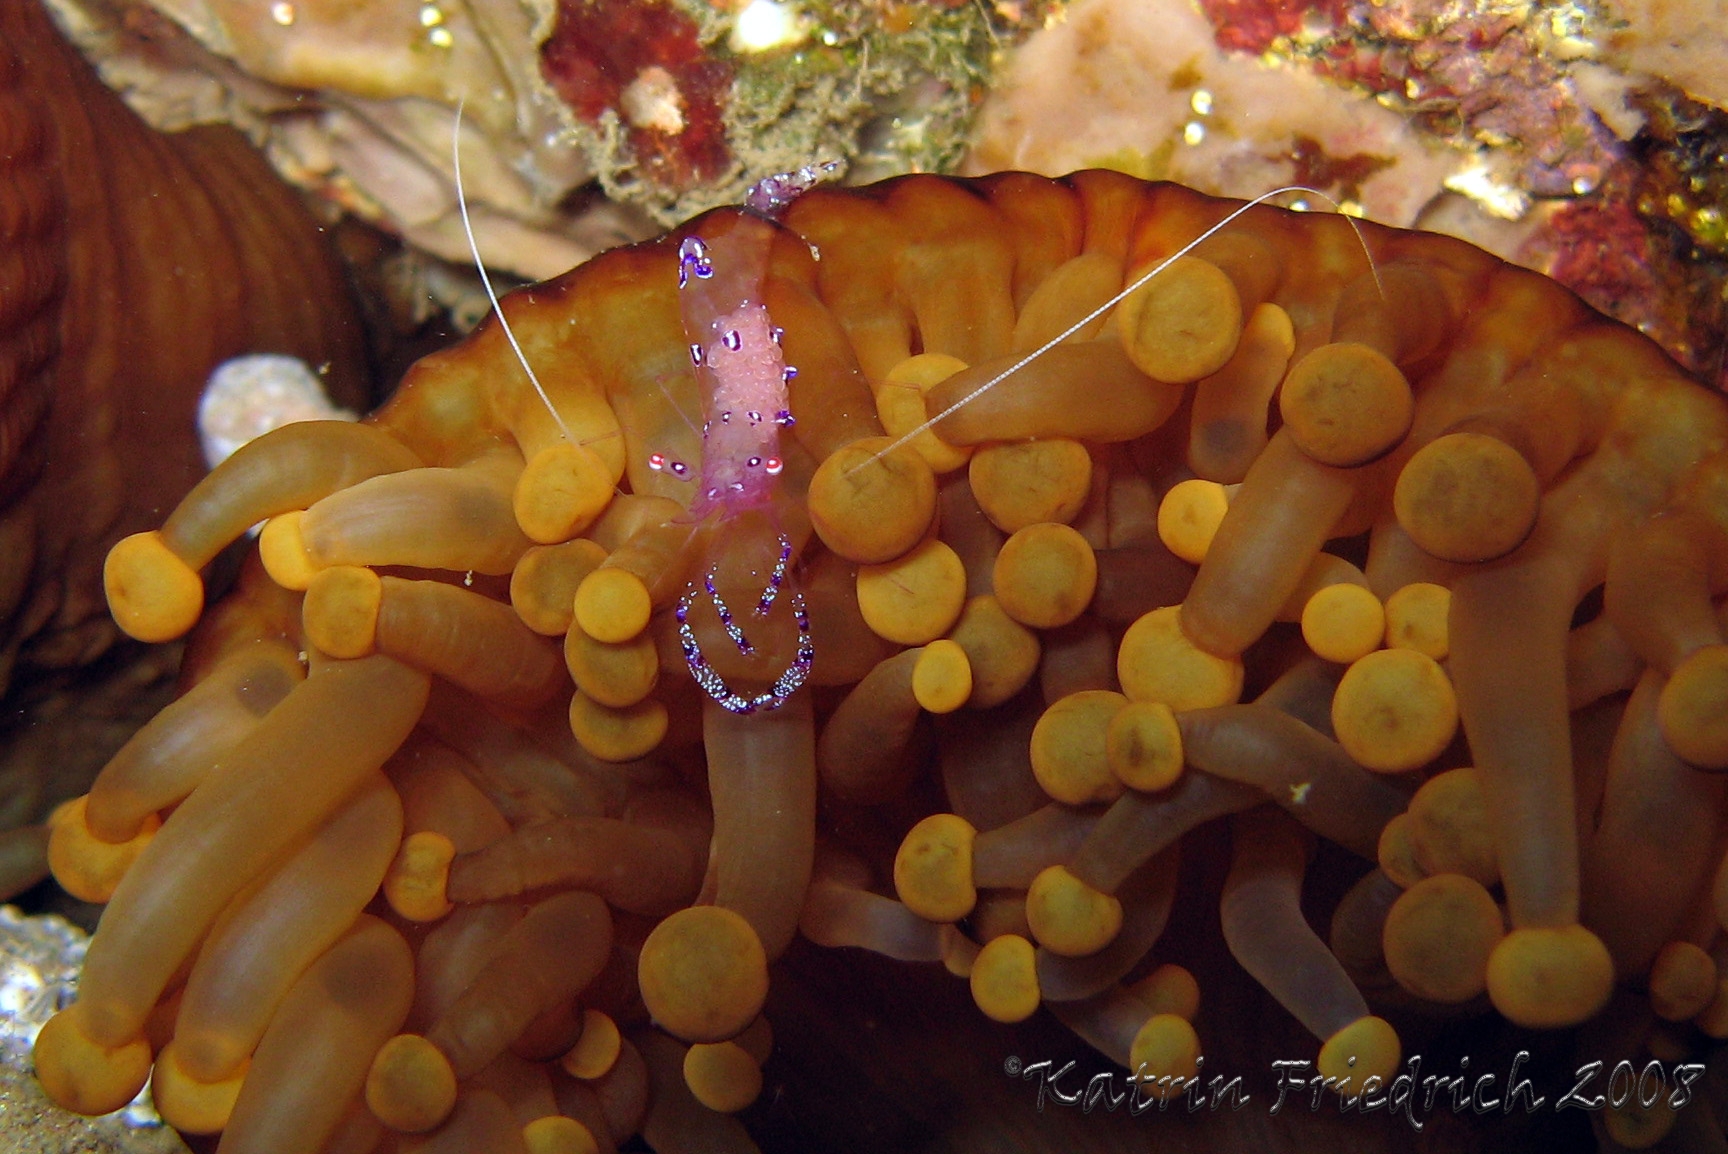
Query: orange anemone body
{"x": 1384, "y": 409}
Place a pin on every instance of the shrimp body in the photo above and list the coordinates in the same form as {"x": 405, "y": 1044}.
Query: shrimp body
{"x": 736, "y": 351}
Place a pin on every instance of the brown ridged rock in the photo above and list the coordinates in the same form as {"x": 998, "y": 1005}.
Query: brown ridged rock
{"x": 131, "y": 264}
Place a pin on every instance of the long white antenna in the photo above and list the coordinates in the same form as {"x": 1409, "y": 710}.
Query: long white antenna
{"x": 1116, "y": 300}
{"x": 479, "y": 267}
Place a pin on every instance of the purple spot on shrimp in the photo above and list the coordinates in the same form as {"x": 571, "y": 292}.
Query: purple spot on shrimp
{"x": 786, "y": 375}
{"x": 693, "y": 258}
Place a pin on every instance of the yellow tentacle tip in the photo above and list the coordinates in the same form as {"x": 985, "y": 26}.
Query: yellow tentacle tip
{"x": 1692, "y": 710}
{"x": 942, "y": 678}
{"x": 1467, "y": 497}
{"x": 1069, "y": 917}
{"x": 933, "y": 868}
{"x": 1045, "y": 575}
{"x": 1069, "y": 747}
{"x": 870, "y": 506}
{"x": 1366, "y": 1048}
{"x": 618, "y": 734}
{"x": 1184, "y": 323}
{"x": 84, "y": 1076}
{"x": 1021, "y": 483}
{"x": 1683, "y": 981}
{"x": 958, "y": 951}
{"x": 901, "y": 408}
{"x": 617, "y": 675}
{"x": 1157, "y": 662}
{"x": 543, "y": 585}
{"x": 1002, "y": 652}
{"x": 1004, "y": 979}
{"x": 703, "y": 974}
{"x": 722, "y": 1076}
{"x": 410, "y": 1086}
{"x": 418, "y": 879}
{"x": 596, "y": 1051}
{"x": 86, "y": 866}
{"x": 1397, "y": 852}
{"x": 282, "y": 548}
{"x": 1346, "y": 404}
{"x": 1189, "y": 516}
{"x": 1417, "y": 618}
{"x": 1546, "y": 977}
{"x": 562, "y": 489}
{"x": 1449, "y": 831}
{"x": 153, "y": 594}
{"x": 1394, "y": 710}
{"x": 340, "y": 613}
{"x": 1343, "y": 622}
{"x": 1164, "y": 1056}
{"x": 189, "y": 1105}
{"x": 914, "y": 598}
{"x": 1143, "y": 746}
{"x": 557, "y": 1134}
{"x": 612, "y": 605}
{"x": 1438, "y": 938}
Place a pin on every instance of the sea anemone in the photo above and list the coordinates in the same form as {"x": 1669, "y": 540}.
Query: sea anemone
{"x": 1328, "y": 536}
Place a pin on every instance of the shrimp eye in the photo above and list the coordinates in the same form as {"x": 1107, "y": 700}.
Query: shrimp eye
{"x": 788, "y": 373}
{"x": 696, "y": 355}
{"x": 732, "y": 340}
{"x": 754, "y": 462}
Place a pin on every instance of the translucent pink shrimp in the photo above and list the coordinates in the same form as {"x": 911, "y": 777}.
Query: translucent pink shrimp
{"x": 736, "y": 350}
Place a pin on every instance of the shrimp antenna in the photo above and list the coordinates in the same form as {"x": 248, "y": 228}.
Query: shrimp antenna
{"x": 1143, "y": 278}
{"x": 486, "y": 281}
